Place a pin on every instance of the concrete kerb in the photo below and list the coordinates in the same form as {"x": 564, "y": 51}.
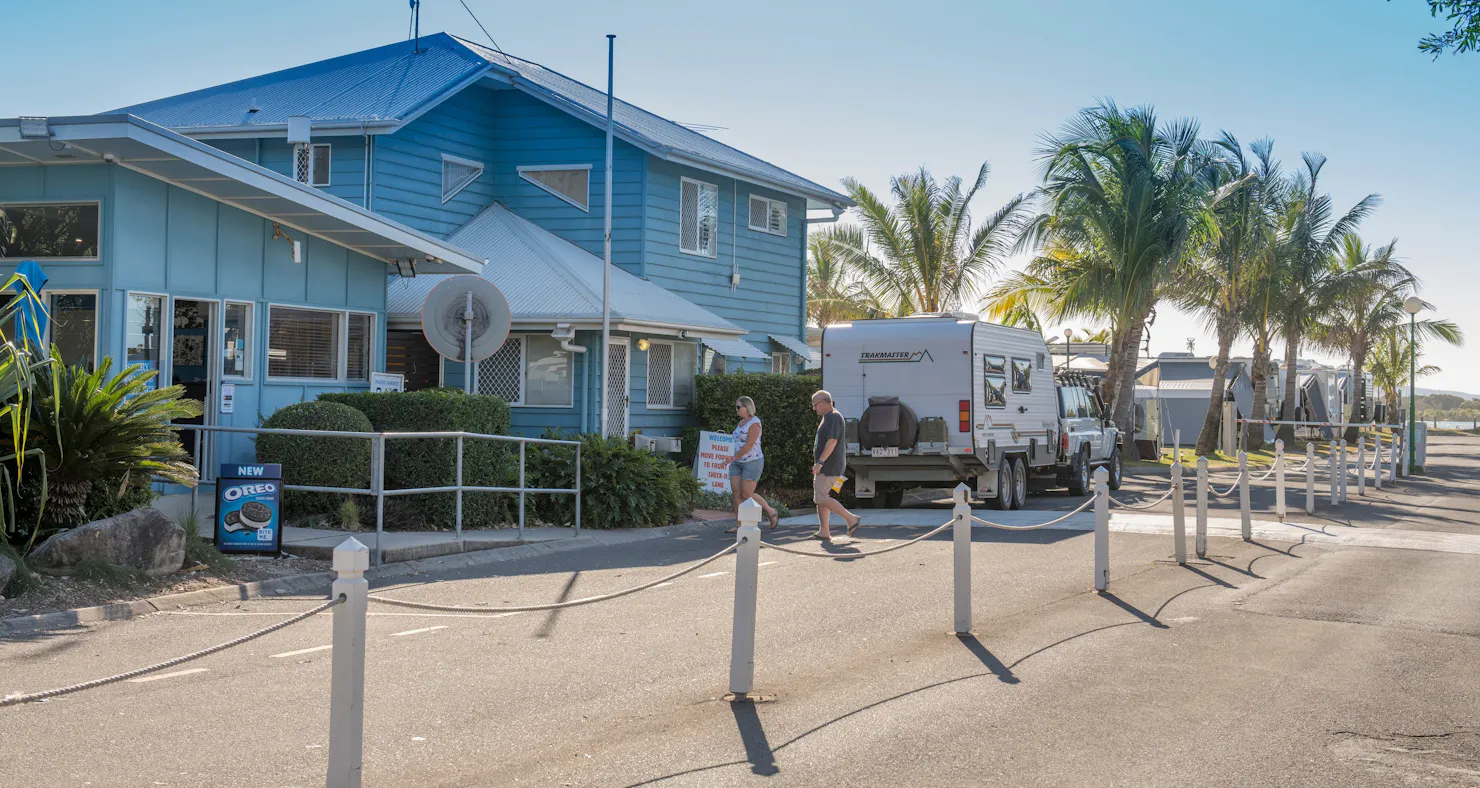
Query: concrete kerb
{"x": 318, "y": 583}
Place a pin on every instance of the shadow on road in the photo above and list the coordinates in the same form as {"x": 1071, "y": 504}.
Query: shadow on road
{"x": 757, "y": 749}
{"x": 1002, "y": 672}
{"x": 1135, "y": 611}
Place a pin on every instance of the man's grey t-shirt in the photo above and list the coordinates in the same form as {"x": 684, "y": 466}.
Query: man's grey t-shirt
{"x": 832, "y": 426}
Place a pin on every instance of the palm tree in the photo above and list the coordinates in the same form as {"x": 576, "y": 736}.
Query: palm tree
{"x": 834, "y": 293}
{"x": 1216, "y": 284}
{"x": 1389, "y": 365}
{"x": 1125, "y": 200}
{"x": 1371, "y": 304}
{"x": 923, "y": 255}
{"x": 1307, "y": 280}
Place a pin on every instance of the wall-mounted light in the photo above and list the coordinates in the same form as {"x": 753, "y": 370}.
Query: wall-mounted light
{"x": 297, "y": 246}
{"x": 643, "y": 345}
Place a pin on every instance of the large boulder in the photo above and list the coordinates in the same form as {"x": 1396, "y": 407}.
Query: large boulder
{"x": 144, "y": 539}
{"x": 7, "y": 572}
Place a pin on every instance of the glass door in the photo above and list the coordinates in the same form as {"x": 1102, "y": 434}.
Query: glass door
{"x": 192, "y": 366}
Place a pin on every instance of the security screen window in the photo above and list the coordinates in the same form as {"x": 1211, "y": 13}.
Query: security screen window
{"x": 49, "y": 231}
{"x": 236, "y": 337}
{"x": 143, "y": 332}
{"x": 302, "y": 343}
{"x": 74, "y": 327}
{"x": 1022, "y": 375}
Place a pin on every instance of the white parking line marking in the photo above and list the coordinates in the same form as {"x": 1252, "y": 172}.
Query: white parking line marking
{"x": 768, "y": 563}
{"x": 300, "y": 651}
{"x": 713, "y": 574}
{"x": 664, "y": 583}
{"x": 418, "y": 631}
{"x": 143, "y": 679}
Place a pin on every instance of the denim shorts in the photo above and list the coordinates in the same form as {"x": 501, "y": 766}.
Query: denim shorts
{"x": 749, "y": 470}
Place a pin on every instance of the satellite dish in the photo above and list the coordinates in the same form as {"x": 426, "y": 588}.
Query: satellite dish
{"x": 442, "y": 317}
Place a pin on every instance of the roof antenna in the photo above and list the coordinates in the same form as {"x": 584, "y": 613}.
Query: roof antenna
{"x": 416, "y": 25}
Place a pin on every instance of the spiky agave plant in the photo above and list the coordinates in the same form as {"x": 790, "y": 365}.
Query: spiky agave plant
{"x": 102, "y": 426}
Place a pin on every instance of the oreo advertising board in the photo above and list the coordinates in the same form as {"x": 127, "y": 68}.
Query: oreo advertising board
{"x": 249, "y": 502}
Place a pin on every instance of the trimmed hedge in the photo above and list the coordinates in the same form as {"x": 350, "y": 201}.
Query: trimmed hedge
{"x": 621, "y": 487}
{"x": 784, "y": 404}
{"x": 320, "y": 461}
{"x": 433, "y": 462}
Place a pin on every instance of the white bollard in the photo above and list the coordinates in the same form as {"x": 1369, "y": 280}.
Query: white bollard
{"x": 1310, "y": 478}
{"x": 1377, "y": 461}
{"x": 347, "y": 681}
{"x": 1393, "y": 460}
{"x": 1341, "y": 489}
{"x": 1335, "y": 468}
{"x": 1179, "y": 517}
{"x": 1102, "y": 530}
{"x": 1246, "y": 526}
{"x": 1361, "y": 465}
{"x": 747, "y": 571}
{"x": 1279, "y": 480}
{"x": 1202, "y": 507}
{"x": 1403, "y": 452}
{"x": 961, "y": 535}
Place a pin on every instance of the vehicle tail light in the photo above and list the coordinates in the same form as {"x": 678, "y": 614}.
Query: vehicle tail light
{"x": 1064, "y": 443}
{"x": 965, "y": 415}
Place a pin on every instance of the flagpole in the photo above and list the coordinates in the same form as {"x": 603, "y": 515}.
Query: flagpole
{"x": 606, "y": 268}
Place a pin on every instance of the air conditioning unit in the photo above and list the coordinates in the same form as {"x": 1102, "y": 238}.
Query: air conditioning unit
{"x": 657, "y": 444}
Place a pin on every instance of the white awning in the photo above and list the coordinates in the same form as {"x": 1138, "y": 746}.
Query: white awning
{"x": 734, "y": 348}
{"x": 793, "y": 344}
{"x": 159, "y": 153}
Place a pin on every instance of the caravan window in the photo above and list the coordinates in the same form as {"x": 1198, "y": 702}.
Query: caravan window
{"x": 1022, "y": 376}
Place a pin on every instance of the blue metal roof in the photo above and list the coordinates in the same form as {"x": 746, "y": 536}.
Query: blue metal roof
{"x": 386, "y": 86}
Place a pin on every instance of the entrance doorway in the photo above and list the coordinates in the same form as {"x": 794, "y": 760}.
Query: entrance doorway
{"x": 193, "y": 367}
{"x": 618, "y": 381}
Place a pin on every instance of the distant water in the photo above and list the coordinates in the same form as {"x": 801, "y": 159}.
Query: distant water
{"x": 1454, "y": 425}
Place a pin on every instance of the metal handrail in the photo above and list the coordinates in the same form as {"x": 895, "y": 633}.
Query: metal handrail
{"x": 377, "y": 470}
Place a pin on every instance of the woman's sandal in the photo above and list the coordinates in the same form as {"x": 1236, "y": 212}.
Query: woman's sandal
{"x": 775, "y": 519}
{"x": 853, "y": 526}
{"x": 819, "y": 537}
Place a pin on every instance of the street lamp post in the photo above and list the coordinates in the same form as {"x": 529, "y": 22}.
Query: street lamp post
{"x": 1412, "y": 305}
{"x": 1068, "y": 347}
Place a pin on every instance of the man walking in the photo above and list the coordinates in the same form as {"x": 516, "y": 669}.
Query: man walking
{"x": 829, "y": 460}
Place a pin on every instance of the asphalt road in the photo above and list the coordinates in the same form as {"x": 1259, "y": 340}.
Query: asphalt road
{"x": 1267, "y": 664}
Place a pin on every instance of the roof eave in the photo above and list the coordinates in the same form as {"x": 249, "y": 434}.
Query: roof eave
{"x": 80, "y": 130}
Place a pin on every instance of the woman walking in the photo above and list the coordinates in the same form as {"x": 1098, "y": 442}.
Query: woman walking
{"x": 747, "y": 461}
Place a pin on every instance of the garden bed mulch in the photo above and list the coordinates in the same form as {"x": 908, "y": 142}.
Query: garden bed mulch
{"x": 65, "y": 593}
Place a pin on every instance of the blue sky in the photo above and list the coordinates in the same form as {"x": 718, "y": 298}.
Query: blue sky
{"x": 873, "y": 89}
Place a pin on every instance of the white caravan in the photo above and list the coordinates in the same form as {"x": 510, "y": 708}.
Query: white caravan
{"x": 934, "y": 400}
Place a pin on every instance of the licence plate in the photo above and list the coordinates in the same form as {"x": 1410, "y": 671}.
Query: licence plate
{"x": 885, "y": 451}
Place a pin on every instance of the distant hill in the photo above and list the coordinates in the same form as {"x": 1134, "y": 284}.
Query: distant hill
{"x": 1424, "y": 392}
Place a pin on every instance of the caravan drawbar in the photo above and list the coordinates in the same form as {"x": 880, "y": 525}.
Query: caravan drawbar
{"x": 935, "y": 400}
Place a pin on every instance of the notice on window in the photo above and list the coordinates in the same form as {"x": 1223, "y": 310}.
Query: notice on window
{"x": 712, "y": 462}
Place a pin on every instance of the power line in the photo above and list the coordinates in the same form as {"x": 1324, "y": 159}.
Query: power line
{"x": 496, "y": 47}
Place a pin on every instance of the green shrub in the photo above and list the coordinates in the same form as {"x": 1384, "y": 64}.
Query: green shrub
{"x": 784, "y": 404}
{"x": 432, "y": 462}
{"x": 621, "y": 487}
{"x": 725, "y": 502}
{"x": 316, "y": 460}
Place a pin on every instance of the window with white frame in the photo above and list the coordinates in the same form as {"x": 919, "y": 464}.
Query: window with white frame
{"x": 51, "y": 230}
{"x": 458, "y": 174}
{"x": 781, "y": 362}
{"x": 698, "y": 218}
{"x": 73, "y": 325}
{"x": 319, "y": 344}
{"x": 311, "y": 164}
{"x": 529, "y": 370}
{"x": 670, "y": 376}
{"x": 569, "y": 182}
{"x": 767, "y": 215}
{"x": 144, "y": 329}
{"x": 236, "y": 340}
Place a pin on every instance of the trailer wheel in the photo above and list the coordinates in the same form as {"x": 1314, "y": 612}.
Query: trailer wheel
{"x": 1019, "y": 483}
{"x": 1004, "y": 485}
{"x": 1079, "y": 481}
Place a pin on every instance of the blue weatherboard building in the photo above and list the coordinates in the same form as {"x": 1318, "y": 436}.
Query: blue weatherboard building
{"x": 274, "y": 238}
